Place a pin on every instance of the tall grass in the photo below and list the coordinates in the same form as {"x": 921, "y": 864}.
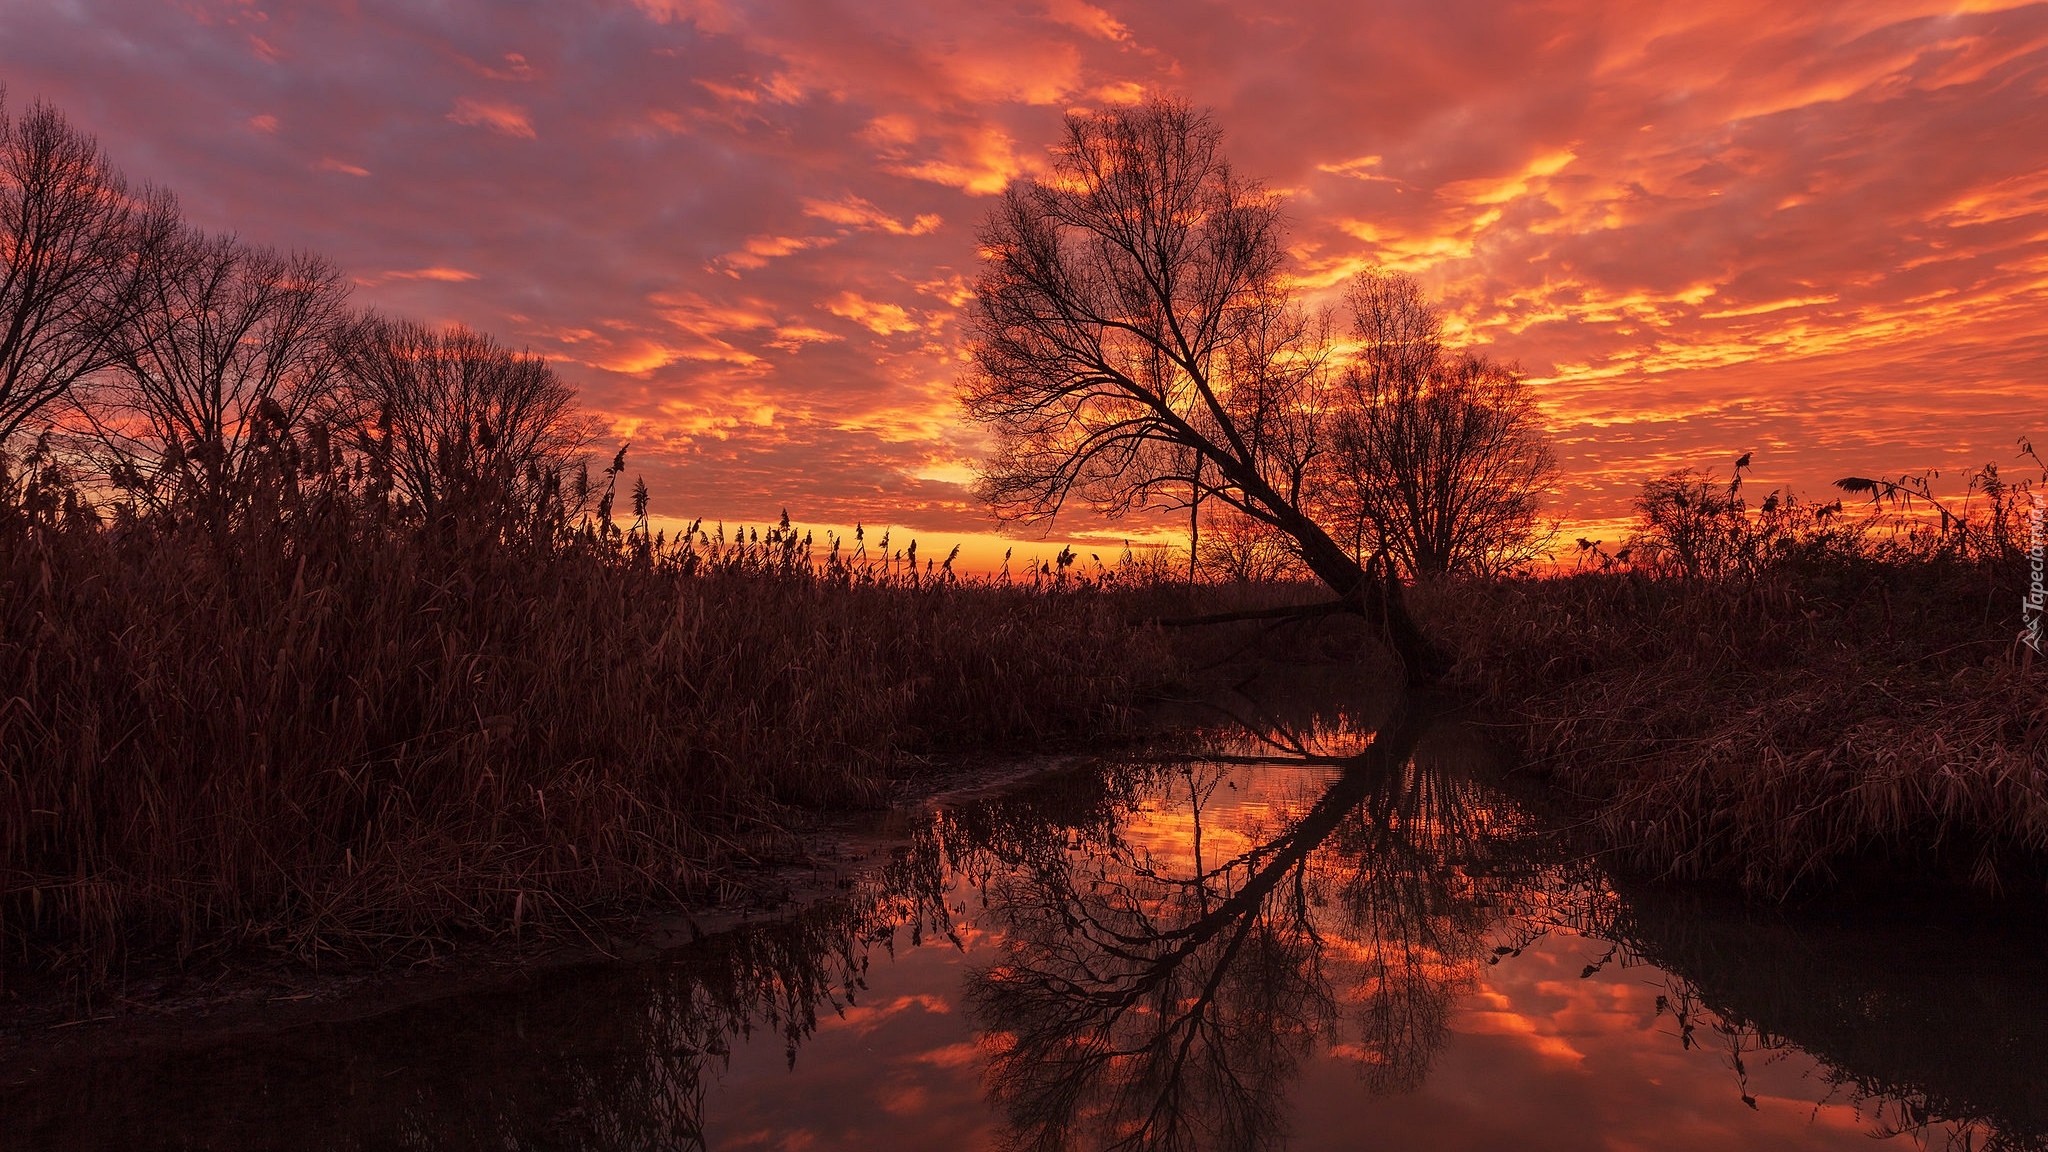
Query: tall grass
{"x": 322, "y": 728}
{"x": 1784, "y": 706}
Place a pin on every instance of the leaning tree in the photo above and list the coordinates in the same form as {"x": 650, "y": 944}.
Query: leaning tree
{"x": 1135, "y": 344}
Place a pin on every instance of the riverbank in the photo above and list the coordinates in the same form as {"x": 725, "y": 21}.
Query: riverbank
{"x": 1408, "y": 927}
{"x": 1854, "y": 724}
{"x": 802, "y": 850}
{"x": 373, "y": 748}
{"x": 167, "y": 1003}
{"x": 332, "y": 737}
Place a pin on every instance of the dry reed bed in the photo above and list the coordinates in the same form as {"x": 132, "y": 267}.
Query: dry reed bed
{"x": 1786, "y": 733}
{"x": 364, "y": 740}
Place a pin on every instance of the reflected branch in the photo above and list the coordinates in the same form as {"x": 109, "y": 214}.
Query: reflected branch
{"x": 1139, "y": 1007}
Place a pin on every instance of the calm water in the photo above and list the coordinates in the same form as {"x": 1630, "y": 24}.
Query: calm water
{"x": 1301, "y": 938}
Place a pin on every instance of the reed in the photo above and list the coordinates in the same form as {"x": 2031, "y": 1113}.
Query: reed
{"x": 322, "y": 730}
{"x": 1854, "y": 711}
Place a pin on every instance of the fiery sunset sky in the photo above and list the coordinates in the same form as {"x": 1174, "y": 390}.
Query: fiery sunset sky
{"x": 1818, "y": 232}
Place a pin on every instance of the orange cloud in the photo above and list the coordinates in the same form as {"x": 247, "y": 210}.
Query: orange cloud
{"x": 759, "y": 250}
{"x": 858, "y": 213}
{"x": 980, "y": 160}
{"x": 444, "y": 275}
{"x": 881, "y": 319}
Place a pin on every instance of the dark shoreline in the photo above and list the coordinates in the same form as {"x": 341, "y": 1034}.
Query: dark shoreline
{"x": 245, "y": 996}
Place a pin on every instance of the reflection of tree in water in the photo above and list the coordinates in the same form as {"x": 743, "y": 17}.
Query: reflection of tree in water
{"x": 1139, "y": 998}
{"x": 609, "y": 1058}
{"x": 1933, "y": 1031}
{"x": 1149, "y": 1003}
{"x": 1165, "y": 999}
{"x": 650, "y": 1093}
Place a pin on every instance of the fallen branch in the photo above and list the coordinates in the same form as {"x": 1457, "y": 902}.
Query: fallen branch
{"x": 1326, "y": 608}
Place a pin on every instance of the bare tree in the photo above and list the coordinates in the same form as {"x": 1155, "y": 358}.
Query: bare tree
{"x": 228, "y": 345}
{"x": 1442, "y": 457}
{"x": 459, "y": 417}
{"x": 69, "y": 234}
{"x": 1400, "y": 332}
{"x": 1237, "y": 548}
{"x": 1135, "y": 345}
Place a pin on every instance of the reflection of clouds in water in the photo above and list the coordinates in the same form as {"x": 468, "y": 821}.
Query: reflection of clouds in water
{"x": 865, "y": 1018}
{"x": 1491, "y": 1014}
{"x": 1128, "y": 1012}
{"x": 1326, "y": 976}
{"x": 1150, "y": 1004}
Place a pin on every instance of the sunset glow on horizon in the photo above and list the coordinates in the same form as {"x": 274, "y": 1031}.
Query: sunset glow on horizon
{"x": 1815, "y": 233}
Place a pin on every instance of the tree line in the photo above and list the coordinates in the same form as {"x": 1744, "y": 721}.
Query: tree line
{"x": 173, "y": 369}
{"x": 1136, "y": 342}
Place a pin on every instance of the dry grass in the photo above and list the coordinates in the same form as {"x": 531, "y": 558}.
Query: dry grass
{"x": 327, "y": 732}
{"x": 1854, "y": 715}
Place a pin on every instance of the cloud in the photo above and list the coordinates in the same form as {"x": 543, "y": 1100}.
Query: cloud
{"x": 1358, "y": 168}
{"x": 1088, "y": 18}
{"x": 879, "y": 318}
{"x": 1820, "y": 232}
{"x": 444, "y": 275}
{"x": 791, "y": 338}
{"x": 505, "y": 119}
{"x": 759, "y": 250}
{"x": 979, "y": 159}
{"x": 858, "y": 213}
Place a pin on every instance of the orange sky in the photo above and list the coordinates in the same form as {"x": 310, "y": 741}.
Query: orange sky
{"x": 1815, "y": 232}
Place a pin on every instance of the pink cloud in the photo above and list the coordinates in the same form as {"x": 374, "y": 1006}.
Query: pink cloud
{"x": 445, "y": 275}
{"x": 507, "y": 119}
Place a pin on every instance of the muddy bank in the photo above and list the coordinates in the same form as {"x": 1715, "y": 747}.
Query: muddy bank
{"x": 43, "y": 1026}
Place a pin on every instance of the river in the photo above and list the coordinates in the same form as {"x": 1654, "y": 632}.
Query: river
{"x": 1334, "y": 932}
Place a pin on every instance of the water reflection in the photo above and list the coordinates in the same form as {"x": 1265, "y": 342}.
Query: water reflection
{"x": 1163, "y": 999}
{"x": 1153, "y": 953}
{"x": 1929, "y": 1020}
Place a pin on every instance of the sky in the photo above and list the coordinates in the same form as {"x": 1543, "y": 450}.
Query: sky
{"x": 1817, "y": 233}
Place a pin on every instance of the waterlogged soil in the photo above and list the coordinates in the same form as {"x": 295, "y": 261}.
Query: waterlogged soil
{"x": 1335, "y": 932}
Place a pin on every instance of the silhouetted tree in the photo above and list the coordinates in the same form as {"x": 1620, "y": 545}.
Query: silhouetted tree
{"x": 1136, "y": 345}
{"x": 1236, "y": 547}
{"x": 227, "y": 348}
{"x": 1690, "y": 524}
{"x": 70, "y": 232}
{"x": 458, "y": 417}
{"x": 1442, "y": 456}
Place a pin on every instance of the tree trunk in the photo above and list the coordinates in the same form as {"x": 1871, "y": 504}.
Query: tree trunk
{"x": 1376, "y": 598}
